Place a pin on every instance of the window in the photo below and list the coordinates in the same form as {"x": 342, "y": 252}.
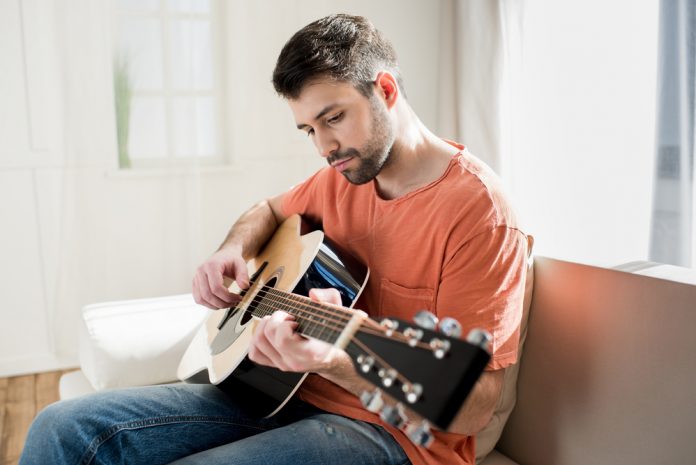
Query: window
{"x": 167, "y": 85}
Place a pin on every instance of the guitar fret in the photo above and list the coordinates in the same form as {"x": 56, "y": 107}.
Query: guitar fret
{"x": 314, "y": 319}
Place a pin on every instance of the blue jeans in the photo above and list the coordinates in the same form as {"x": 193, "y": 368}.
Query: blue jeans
{"x": 198, "y": 424}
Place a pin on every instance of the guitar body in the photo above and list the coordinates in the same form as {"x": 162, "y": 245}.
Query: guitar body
{"x": 290, "y": 262}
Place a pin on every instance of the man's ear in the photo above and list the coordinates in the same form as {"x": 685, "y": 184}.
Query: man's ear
{"x": 387, "y": 88}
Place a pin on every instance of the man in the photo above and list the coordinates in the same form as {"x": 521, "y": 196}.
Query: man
{"x": 426, "y": 217}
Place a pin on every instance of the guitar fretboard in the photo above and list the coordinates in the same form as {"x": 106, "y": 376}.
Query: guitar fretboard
{"x": 314, "y": 319}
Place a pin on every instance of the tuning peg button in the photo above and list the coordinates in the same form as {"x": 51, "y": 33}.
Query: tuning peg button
{"x": 388, "y": 376}
{"x": 440, "y": 347}
{"x": 414, "y": 336}
{"x": 450, "y": 327}
{"x": 479, "y": 337}
{"x": 366, "y": 362}
{"x": 426, "y": 319}
{"x": 412, "y": 392}
{"x": 420, "y": 434}
{"x": 394, "y": 415}
{"x": 372, "y": 400}
{"x": 389, "y": 325}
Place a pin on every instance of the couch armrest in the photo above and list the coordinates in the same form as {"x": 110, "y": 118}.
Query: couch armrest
{"x": 660, "y": 270}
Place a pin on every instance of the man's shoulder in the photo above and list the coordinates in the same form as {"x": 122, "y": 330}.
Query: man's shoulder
{"x": 477, "y": 193}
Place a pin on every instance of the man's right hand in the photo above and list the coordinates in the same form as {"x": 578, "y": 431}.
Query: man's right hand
{"x": 208, "y": 285}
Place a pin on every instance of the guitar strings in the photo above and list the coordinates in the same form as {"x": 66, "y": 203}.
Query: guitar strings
{"x": 367, "y": 326}
{"x": 302, "y": 303}
{"x": 280, "y": 296}
{"x": 303, "y": 309}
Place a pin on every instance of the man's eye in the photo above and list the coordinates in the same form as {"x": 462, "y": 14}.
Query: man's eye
{"x": 335, "y": 119}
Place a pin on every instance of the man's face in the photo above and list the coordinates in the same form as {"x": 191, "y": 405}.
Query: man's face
{"x": 352, "y": 132}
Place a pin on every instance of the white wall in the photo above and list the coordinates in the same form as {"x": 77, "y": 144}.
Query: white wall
{"x": 75, "y": 229}
{"x": 581, "y": 150}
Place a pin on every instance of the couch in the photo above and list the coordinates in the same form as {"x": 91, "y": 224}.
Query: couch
{"x": 606, "y": 376}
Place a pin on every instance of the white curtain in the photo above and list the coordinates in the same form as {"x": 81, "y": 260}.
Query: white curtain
{"x": 122, "y": 234}
{"x": 559, "y": 98}
{"x": 673, "y": 237}
{"x": 83, "y": 231}
{"x": 473, "y": 66}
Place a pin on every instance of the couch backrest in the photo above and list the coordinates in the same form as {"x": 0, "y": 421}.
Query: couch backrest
{"x": 608, "y": 374}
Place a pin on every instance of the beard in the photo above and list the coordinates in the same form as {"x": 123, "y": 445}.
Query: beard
{"x": 376, "y": 153}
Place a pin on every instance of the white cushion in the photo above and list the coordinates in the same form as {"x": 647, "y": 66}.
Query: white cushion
{"x": 137, "y": 342}
{"x": 74, "y": 384}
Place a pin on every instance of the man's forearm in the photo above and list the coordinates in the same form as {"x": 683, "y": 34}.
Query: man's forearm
{"x": 252, "y": 230}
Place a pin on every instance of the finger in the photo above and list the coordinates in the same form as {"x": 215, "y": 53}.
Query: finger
{"x": 256, "y": 351}
{"x": 217, "y": 288}
{"x": 194, "y": 290}
{"x": 281, "y": 332}
{"x": 198, "y": 294}
{"x": 280, "y": 326}
{"x": 329, "y": 296}
{"x": 211, "y": 299}
{"x": 262, "y": 348}
{"x": 258, "y": 357}
{"x": 241, "y": 273}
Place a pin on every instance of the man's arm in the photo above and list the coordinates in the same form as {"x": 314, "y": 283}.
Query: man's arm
{"x": 245, "y": 239}
{"x": 275, "y": 343}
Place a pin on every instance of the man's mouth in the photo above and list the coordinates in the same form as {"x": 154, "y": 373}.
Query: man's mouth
{"x": 341, "y": 165}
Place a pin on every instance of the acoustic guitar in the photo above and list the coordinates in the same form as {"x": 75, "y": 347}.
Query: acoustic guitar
{"x": 425, "y": 366}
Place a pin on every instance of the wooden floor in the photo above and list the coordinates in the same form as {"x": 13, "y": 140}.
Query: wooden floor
{"x": 21, "y": 397}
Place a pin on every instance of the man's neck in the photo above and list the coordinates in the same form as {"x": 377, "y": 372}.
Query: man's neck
{"x": 418, "y": 157}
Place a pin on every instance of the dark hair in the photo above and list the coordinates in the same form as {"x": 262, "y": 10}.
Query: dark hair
{"x": 340, "y": 47}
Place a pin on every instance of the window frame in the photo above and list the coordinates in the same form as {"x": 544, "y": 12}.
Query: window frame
{"x": 165, "y": 18}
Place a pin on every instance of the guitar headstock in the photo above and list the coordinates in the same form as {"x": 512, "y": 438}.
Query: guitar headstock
{"x": 425, "y": 367}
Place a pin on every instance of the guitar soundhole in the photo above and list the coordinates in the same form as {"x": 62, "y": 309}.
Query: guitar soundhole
{"x": 260, "y": 295}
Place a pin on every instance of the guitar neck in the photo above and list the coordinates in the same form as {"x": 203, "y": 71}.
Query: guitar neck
{"x": 316, "y": 320}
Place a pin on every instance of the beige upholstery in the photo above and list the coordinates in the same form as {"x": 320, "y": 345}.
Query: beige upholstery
{"x": 496, "y": 458}
{"x": 608, "y": 373}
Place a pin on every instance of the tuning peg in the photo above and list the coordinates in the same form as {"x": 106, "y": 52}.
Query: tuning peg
{"x": 372, "y": 401}
{"x": 479, "y": 337}
{"x": 413, "y": 335}
{"x": 388, "y": 376}
{"x": 440, "y": 347}
{"x": 412, "y": 391}
{"x": 389, "y": 325}
{"x": 420, "y": 434}
{"x": 450, "y": 327}
{"x": 425, "y": 319}
{"x": 394, "y": 415}
{"x": 366, "y": 362}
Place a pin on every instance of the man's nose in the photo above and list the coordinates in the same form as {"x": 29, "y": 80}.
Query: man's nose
{"x": 326, "y": 144}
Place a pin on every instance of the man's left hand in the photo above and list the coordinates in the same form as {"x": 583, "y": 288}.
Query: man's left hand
{"x": 276, "y": 343}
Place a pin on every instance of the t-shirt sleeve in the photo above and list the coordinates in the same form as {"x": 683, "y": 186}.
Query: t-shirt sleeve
{"x": 306, "y": 198}
{"x": 482, "y": 286}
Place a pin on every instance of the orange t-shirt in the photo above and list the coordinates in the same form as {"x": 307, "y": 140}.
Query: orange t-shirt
{"x": 452, "y": 247}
